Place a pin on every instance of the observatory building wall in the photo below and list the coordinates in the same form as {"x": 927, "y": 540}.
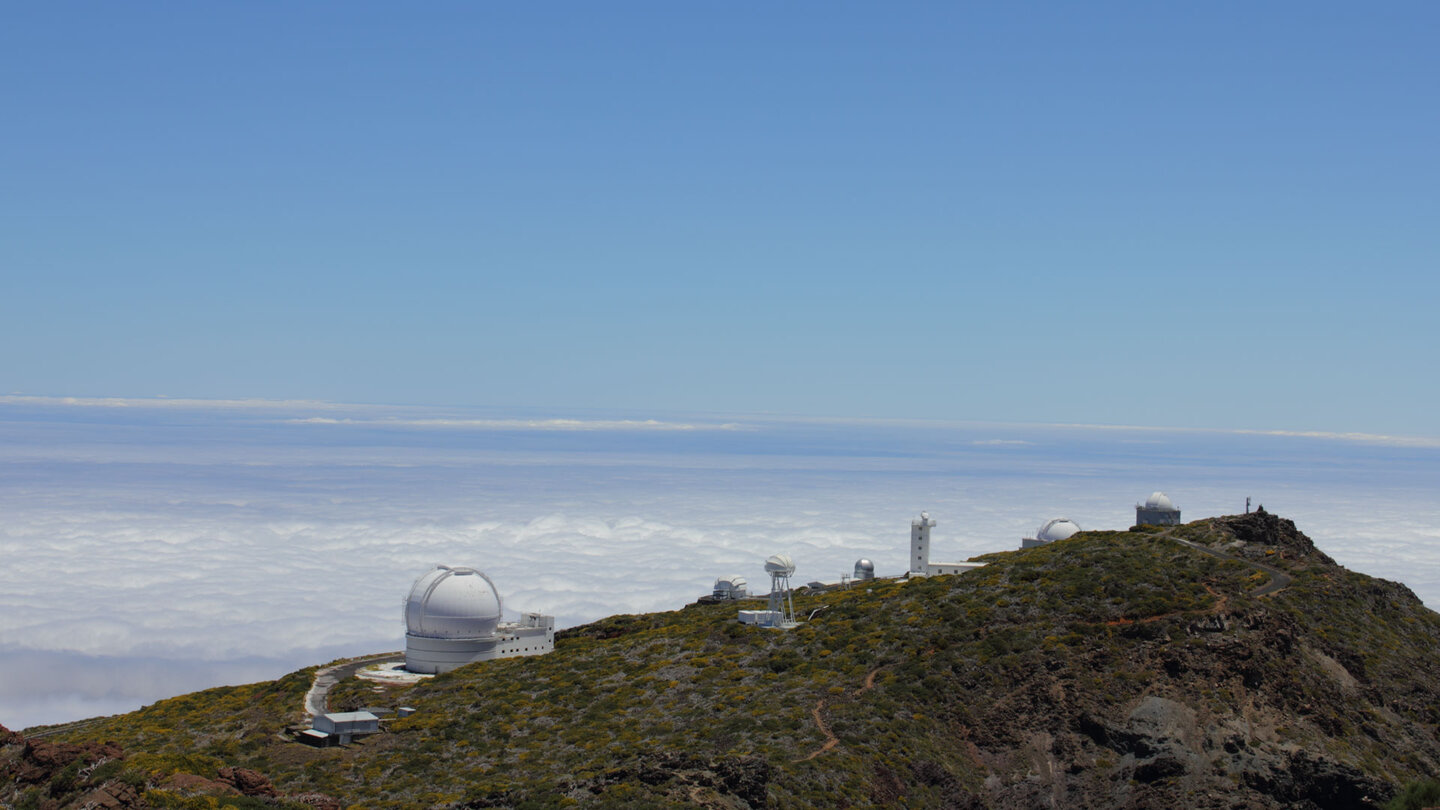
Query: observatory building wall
{"x": 434, "y": 655}
{"x": 533, "y": 635}
{"x": 1156, "y": 517}
{"x": 940, "y": 569}
{"x": 1158, "y": 510}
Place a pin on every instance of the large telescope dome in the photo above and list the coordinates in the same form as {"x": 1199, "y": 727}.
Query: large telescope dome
{"x": 452, "y": 602}
{"x": 1057, "y": 529}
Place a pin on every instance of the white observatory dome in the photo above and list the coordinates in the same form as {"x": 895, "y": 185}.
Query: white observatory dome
{"x": 1057, "y": 529}
{"x": 864, "y": 569}
{"x": 734, "y": 581}
{"x": 731, "y": 587}
{"x": 452, "y": 602}
{"x": 780, "y": 564}
{"x": 1159, "y": 501}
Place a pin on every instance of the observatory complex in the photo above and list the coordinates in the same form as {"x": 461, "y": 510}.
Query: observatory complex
{"x": 780, "y": 612}
{"x": 1157, "y": 511}
{"x": 452, "y": 617}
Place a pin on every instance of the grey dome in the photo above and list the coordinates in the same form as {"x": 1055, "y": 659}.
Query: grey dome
{"x": 452, "y": 602}
{"x": 1057, "y": 529}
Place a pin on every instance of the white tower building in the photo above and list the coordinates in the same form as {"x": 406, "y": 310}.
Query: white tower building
{"x": 1157, "y": 510}
{"x": 452, "y": 617}
{"x": 920, "y": 564}
{"x": 920, "y": 543}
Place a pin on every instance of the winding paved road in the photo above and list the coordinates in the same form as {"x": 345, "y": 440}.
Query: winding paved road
{"x": 1279, "y": 580}
{"x": 327, "y": 677}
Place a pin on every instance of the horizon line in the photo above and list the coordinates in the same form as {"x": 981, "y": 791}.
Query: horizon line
{"x": 650, "y": 423}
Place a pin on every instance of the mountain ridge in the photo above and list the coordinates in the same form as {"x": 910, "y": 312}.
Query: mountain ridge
{"x": 1226, "y": 663}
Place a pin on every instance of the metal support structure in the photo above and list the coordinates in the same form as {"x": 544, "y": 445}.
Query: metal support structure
{"x": 781, "y": 600}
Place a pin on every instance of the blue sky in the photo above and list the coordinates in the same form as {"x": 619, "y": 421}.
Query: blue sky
{"x": 1202, "y": 215}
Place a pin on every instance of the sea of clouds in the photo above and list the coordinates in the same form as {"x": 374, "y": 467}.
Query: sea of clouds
{"x": 154, "y": 547}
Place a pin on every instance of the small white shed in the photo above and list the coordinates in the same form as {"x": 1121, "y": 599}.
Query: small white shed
{"x": 347, "y": 723}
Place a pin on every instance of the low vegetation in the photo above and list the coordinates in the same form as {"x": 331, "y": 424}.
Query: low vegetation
{"x": 1041, "y": 675}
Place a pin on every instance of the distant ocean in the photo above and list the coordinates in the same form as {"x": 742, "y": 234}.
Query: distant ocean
{"x": 153, "y": 547}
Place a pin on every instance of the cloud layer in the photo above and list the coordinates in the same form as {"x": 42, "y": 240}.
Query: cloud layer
{"x": 154, "y": 555}
{"x": 521, "y": 424}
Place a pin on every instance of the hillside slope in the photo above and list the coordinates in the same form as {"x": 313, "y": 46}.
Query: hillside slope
{"x": 1113, "y": 669}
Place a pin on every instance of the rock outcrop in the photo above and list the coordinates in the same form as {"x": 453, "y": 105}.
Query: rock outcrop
{"x": 52, "y": 775}
{"x": 61, "y": 774}
{"x": 1265, "y": 529}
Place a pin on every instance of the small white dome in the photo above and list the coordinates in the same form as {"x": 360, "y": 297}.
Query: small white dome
{"x": 1057, "y": 529}
{"x": 452, "y": 602}
{"x": 780, "y": 564}
{"x": 1159, "y": 500}
{"x": 732, "y": 586}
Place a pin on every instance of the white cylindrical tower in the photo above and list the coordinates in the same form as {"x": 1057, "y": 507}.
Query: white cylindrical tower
{"x": 920, "y": 543}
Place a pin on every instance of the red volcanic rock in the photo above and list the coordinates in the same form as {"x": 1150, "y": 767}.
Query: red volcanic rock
{"x": 248, "y": 782}
{"x": 191, "y": 783}
{"x": 41, "y": 760}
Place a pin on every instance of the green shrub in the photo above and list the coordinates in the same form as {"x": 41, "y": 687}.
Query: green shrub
{"x": 1416, "y": 795}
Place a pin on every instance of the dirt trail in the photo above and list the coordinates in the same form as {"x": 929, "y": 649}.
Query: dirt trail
{"x": 830, "y": 739}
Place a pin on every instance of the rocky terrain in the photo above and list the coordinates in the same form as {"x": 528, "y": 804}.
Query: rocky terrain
{"x": 1227, "y": 663}
{"x": 42, "y": 774}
